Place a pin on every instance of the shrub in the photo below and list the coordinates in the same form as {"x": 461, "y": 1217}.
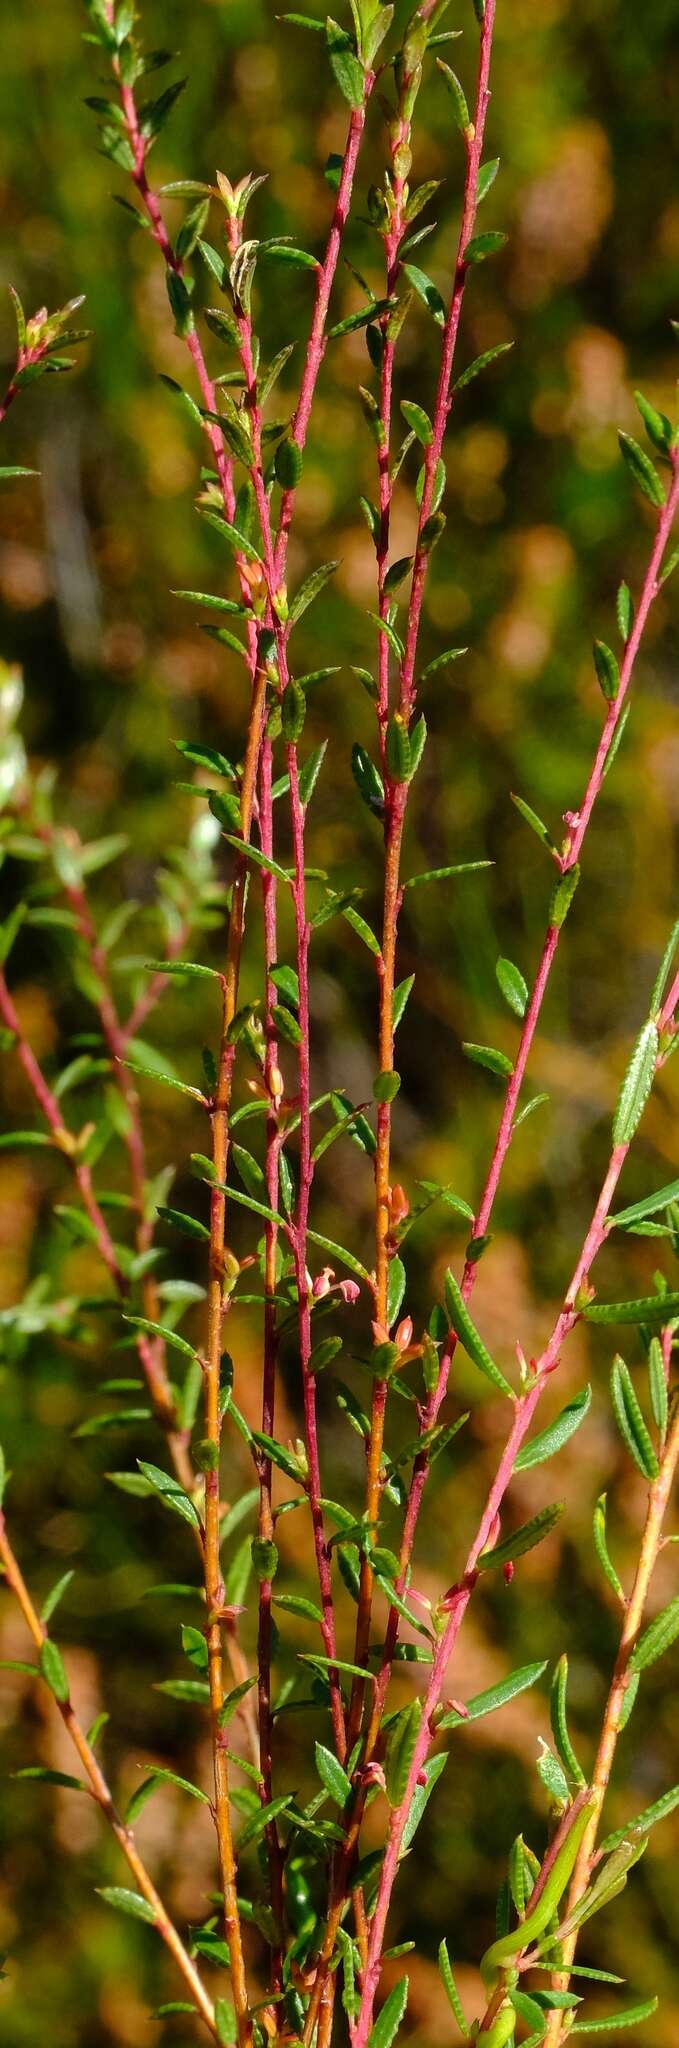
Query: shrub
{"x": 311, "y": 1828}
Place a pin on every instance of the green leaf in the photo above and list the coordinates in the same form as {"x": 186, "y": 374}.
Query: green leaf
{"x": 488, "y": 1056}
{"x": 55, "y": 1596}
{"x": 658, "y": 427}
{"x": 647, "y": 1206}
{"x": 310, "y": 589}
{"x": 401, "y": 1745}
{"x": 188, "y": 1226}
{"x": 54, "y": 1671}
{"x": 643, "y": 1821}
{"x": 630, "y": 1420}
{"x": 658, "y": 1385}
{"x": 257, "y": 1826}
{"x": 127, "y": 1902}
{"x": 641, "y": 469}
{"x": 193, "y": 1691}
{"x": 473, "y": 370}
{"x": 536, "y": 824}
{"x": 637, "y": 1085}
{"x": 512, "y": 986}
{"x": 62, "y": 1778}
{"x": 657, "y": 1638}
{"x": 523, "y": 1539}
{"x": 601, "y": 1548}
{"x": 495, "y": 1696}
{"x": 387, "y": 2025}
{"x": 427, "y": 292}
{"x": 401, "y": 994}
{"x": 562, "y": 896}
{"x": 225, "y": 2022}
{"x": 233, "y": 1700}
{"x": 485, "y": 245}
{"x": 364, "y": 318}
{"x": 418, "y": 421}
{"x": 465, "y": 867}
{"x": 161, "y": 1330}
{"x": 297, "y": 1603}
{"x": 556, "y": 1435}
{"x": 624, "y": 611}
{"x": 170, "y": 1493}
{"x": 607, "y": 669}
{"x": 450, "y": 1988}
{"x": 431, "y": 1772}
{"x": 285, "y": 1460}
{"x": 558, "y": 1718}
{"x": 652, "y": 1308}
{"x": 345, "y": 64}
{"x": 461, "y": 1322}
{"x": 332, "y": 1776}
{"x": 632, "y": 2017}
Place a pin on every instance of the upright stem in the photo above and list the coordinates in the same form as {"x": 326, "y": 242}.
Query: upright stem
{"x": 101, "y": 1793}
{"x": 265, "y": 1527}
{"x": 299, "y": 1239}
{"x": 658, "y": 1501}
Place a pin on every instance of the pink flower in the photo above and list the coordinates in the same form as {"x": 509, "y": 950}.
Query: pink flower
{"x": 349, "y": 1290}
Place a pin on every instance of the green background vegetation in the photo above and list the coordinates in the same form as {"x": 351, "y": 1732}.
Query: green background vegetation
{"x": 542, "y": 521}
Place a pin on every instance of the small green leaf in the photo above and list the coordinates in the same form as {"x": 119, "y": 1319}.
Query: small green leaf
{"x": 346, "y": 67}
{"x": 558, "y": 1718}
{"x": 332, "y": 1776}
{"x": 643, "y": 1821}
{"x": 62, "y": 1778}
{"x": 127, "y": 1902}
{"x": 651, "y": 1308}
{"x": 658, "y": 427}
{"x": 512, "y": 986}
{"x": 480, "y": 362}
{"x": 387, "y": 2025}
{"x": 465, "y": 867}
{"x": 488, "y": 1056}
{"x": 642, "y": 470}
{"x": 310, "y": 589}
{"x": 400, "y": 1751}
{"x": 536, "y": 824}
{"x": 418, "y": 421}
{"x": 54, "y": 1671}
{"x": 461, "y": 1322}
{"x": 460, "y": 108}
{"x": 657, "y": 1638}
{"x": 523, "y": 1539}
{"x": 170, "y": 1493}
{"x": 647, "y": 1206}
{"x": 482, "y": 246}
{"x": 495, "y": 1696}
{"x": 624, "y": 610}
{"x": 55, "y": 1596}
{"x": 556, "y": 1435}
{"x": 607, "y": 669}
{"x": 427, "y": 292}
{"x": 632, "y": 2017}
{"x": 451, "y": 1991}
{"x": 637, "y": 1085}
{"x": 601, "y": 1548}
{"x": 630, "y": 1420}
{"x": 562, "y": 896}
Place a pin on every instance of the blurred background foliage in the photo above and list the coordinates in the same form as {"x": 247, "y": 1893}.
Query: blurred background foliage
{"x": 542, "y": 521}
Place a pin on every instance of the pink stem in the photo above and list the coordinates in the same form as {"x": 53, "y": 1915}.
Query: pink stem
{"x": 299, "y": 1240}
{"x": 316, "y": 344}
{"x": 443, "y": 396}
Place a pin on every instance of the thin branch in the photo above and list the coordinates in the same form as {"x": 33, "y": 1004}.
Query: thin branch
{"x": 104, "y": 1799}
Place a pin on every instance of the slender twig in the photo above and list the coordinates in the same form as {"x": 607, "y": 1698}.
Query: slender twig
{"x": 104, "y": 1799}
{"x": 651, "y": 1543}
{"x": 457, "y": 1600}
